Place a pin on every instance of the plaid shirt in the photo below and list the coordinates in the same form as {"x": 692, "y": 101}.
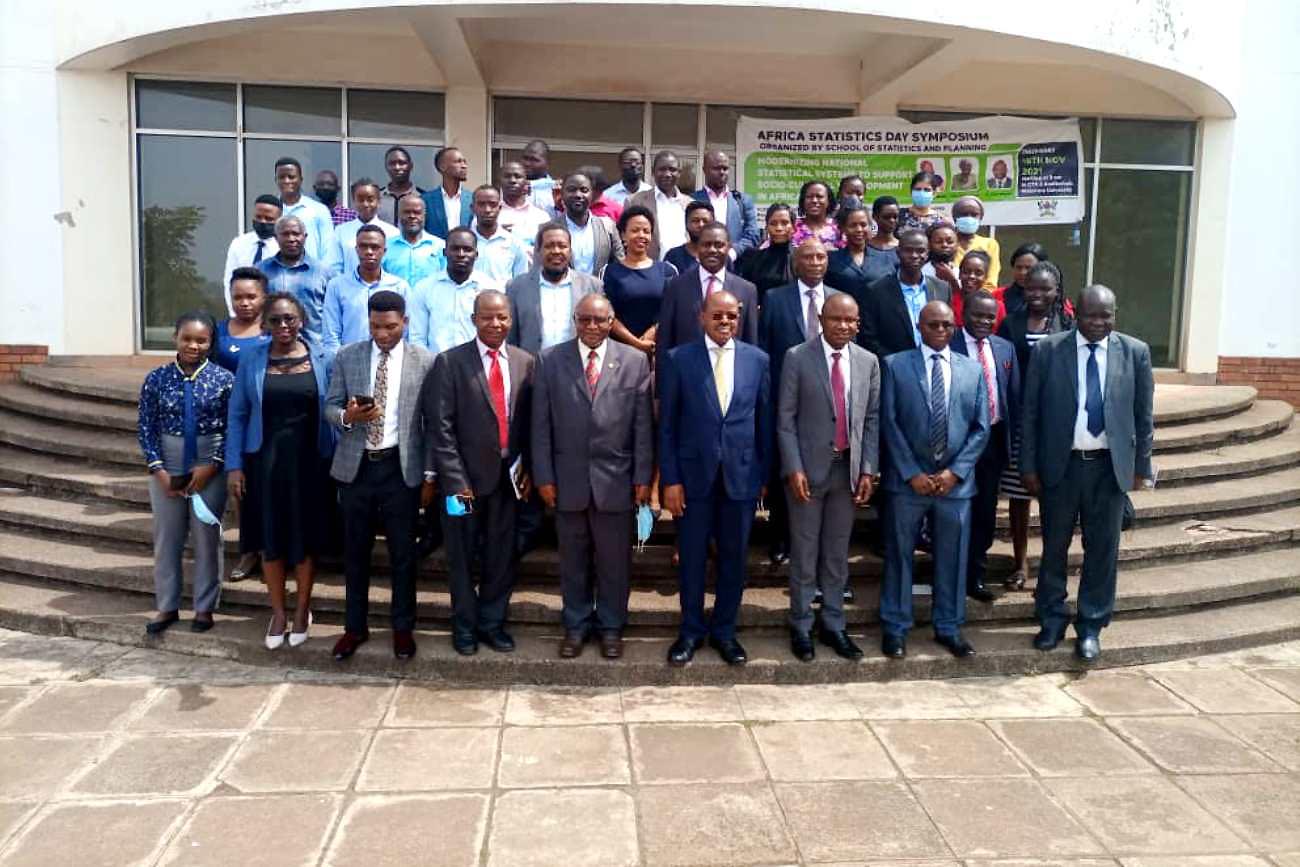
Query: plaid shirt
{"x": 340, "y": 214}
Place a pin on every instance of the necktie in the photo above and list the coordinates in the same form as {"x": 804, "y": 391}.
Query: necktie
{"x": 988, "y": 381}
{"x": 593, "y": 373}
{"x": 938, "y": 409}
{"x": 375, "y": 429}
{"x": 497, "y": 388}
{"x": 720, "y": 379}
{"x": 1093, "y": 404}
{"x": 841, "y": 405}
{"x": 257, "y": 257}
{"x": 812, "y": 327}
{"x": 190, "y": 422}
{"x": 711, "y": 285}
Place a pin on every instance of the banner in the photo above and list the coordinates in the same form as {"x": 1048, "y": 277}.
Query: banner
{"x": 1025, "y": 171}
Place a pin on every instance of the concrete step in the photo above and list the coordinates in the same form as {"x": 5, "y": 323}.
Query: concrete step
{"x": 64, "y": 407}
{"x": 1003, "y": 649}
{"x": 1176, "y": 404}
{"x": 114, "y": 447}
{"x": 72, "y": 477}
{"x": 1264, "y": 417}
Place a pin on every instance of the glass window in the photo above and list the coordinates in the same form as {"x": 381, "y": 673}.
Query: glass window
{"x": 675, "y": 124}
{"x": 720, "y": 121}
{"x": 1148, "y": 142}
{"x": 396, "y": 115}
{"x": 260, "y": 156}
{"x": 367, "y": 161}
{"x": 293, "y": 110}
{"x": 1140, "y": 252}
{"x": 1066, "y": 243}
{"x": 568, "y": 120}
{"x": 563, "y": 162}
{"x": 187, "y": 219}
{"x": 184, "y": 105}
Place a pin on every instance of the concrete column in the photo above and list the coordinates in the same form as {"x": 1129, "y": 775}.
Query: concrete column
{"x": 1207, "y": 254}
{"x": 467, "y": 128}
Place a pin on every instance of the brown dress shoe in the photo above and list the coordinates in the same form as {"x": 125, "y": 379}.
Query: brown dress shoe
{"x": 571, "y": 645}
{"x": 403, "y": 644}
{"x": 611, "y": 646}
{"x": 348, "y": 643}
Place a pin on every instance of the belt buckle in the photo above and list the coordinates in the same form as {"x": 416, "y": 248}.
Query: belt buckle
{"x": 1089, "y": 454}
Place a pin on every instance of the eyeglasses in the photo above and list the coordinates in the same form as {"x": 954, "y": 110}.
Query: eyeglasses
{"x": 282, "y": 319}
{"x": 592, "y": 320}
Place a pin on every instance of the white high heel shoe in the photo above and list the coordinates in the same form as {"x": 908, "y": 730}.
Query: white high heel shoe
{"x": 274, "y": 642}
{"x": 298, "y": 639}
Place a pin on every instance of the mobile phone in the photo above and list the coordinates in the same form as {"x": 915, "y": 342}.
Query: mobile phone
{"x": 181, "y": 482}
{"x": 365, "y": 401}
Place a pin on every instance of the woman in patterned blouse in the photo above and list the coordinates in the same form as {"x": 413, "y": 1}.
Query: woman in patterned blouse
{"x": 921, "y": 214}
{"x": 182, "y": 435}
{"x": 816, "y": 205}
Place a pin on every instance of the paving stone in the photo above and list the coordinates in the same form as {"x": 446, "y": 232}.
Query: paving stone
{"x": 70, "y": 708}
{"x": 1126, "y": 693}
{"x": 528, "y": 706}
{"x": 712, "y": 826}
{"x": 993, "y": 697}
{"x": 1144, "y": 815}
{"x": 158, "y": 765}
{"x": 417, "y": 705}
{"x": 822, "y": 750}
{"x": 148, "y": 665}
{"x": 856, "y": 820}
{"x": 1264, "y": 809}
{"x": 574, "y": 827}
{"x": 563, "y": 756}
{"x": 1197, "y": 861}
{"x": 333, "y": 706}
{"x": 301, "y": 761}
{"x": 194, "y": 706}
{"x": 1226, "y": 690}
{"x": 95, "y": 834}
{"x": 1291, "y": 859}
{"x": 947, "y": 748}
{"x": 12, "y": 696}
{"x": 973, "y": 817}
{"x": 699, "y": 753}
{"x": 274, "y": 831}
{"x": 430, "y": 759}
{"x": 1191, "y": 745}
{"x": 1070, "y": 747}
{"x": 40, "y": 659}
{"x": 12, "y": 814}
{"x": 34, "y": 767}
{"x": 786, "y": 702}
{"x": 1284, "y": 680}
{"x": 398, "y": 829}
{"x": 931, "y": 699}
{"x": 681, "y": 704}
{"x": 1042, "y": 862}
{"x": 1275, "y": 735}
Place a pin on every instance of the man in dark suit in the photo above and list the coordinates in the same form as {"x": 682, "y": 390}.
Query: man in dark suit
{"x": 679, "y": 314}
{"x": 934, "y": 419}
{"x": 1086, "y": 441}
{"x": 892, "y": 305}
{"x": 484, "y": 395}
{"x": 732, "y": 208}
{"x": 715, "y": 429}
{"x": 997, "y": 357}
{"x": 593, "y": 461}
{"x": 438, "y": 220}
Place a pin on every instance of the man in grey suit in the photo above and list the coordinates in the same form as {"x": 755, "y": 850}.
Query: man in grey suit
{"x": 593, "y": 461}
{"x": 1086, "y": 441}
{"x": 543, "y": 300}
{"x": 828, "y": 431}
{"x": 382, "y": 465}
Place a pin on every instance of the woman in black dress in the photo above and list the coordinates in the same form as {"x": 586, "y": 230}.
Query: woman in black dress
{"x": 278, "y": 448}
{"x": 768, "y": 265}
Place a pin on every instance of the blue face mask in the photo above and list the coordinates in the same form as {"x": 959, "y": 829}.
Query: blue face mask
{"x": 967, "y": 225}
{"x": 455, "y": 507}
{"x": 922, "y": 198}
{"x": 645, "y": 524}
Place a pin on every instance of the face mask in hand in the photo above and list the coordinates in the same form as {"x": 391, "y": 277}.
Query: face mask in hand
{"x": 967, "y": 225}
{"x": 645, "y": 524}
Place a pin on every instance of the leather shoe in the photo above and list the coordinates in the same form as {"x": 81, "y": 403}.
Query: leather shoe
{"x": 571, "y": 645}
{"x": 348, "y": 643}
{"x": 159, "y": 626}
{"x": 497, "y": 639}
{"x": 611, "y": 645}
{"x": 841, "y": 643}
{"x": 893, "y": 646}
{"x": 980, "y": 592}
{"x": 683, "y": 651}
{"x": 465, "y": 645}
{"x": 801, "y": 646}
{"x": 1088, "y": 649}
{"x": 731, "y": 650}
{"x": 957, "y": 646}
{"x": 1047, "y": 638}
{"x": 403, "y": 643}
{"x": 818, "y": 597}
{"x": 848, "y": 593}
{"x": 779, "y": 554}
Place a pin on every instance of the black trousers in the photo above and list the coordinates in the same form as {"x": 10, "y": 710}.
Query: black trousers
{"x": 492, "y": 522}
{"x": 379, "y": 494}
{"x": 984, "y": 505}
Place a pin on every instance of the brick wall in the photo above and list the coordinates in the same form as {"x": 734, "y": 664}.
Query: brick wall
{"x": 1273, "y": 378}
{"x": 13, "y": 356}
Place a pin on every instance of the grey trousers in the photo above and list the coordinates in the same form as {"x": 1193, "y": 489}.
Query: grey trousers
{"x": 595, "y": 569}
{"x": 173, "y": 522}
{"x": 819, "y": 551}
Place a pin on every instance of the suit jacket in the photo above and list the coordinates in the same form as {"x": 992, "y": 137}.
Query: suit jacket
{"x": 742, "y": 219}
{"x": 783, "y": 323}
{"x": 1007, "y": 367}
{"x": 607, "y": 243}
{"x": 593, "y": 449}
{"x": 805, "y": 421}
{"x": 696, "y": 441}
{"x": 886, "y": 323}
{"x": 525, "y": 295}
{"x": 351, "y": 376}
{"x": 679, "y": 314}
{"x": 1051, "y": 404}
{"x": 244, "y": 412}
{"x": 646, "y": 199}
{"x": 435, "y": 212}
{"x": 905, "y": 421}
{"x": 464, "y": 441}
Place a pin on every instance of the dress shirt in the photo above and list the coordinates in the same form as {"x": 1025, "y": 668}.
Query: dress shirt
{"x": 501, "y": 256}
{"x": 440, "y": 310}
{"x": 819, "y": 300}
{"x": 487, "y": 369}
{"x": 318, "y": 221}
{"x": 394, "y": 388}
{"x": 347, "y": 314}
{"x": 583, "y": 242}
{"x": 305, "y": 280}
{"x": 523, "y": 222}
{"x": 451, "y": 206}
{"x": 341, "y": 214}
{"x": 415, "y": 260}
{"x": 619, "y": 192}
{"x": 719, "y": 201}
{"x": 584, "y": 350}
{"x": 1082, "y": 439}
{"x": 705, "y": 274}
{"x": 240, "y": 254}
{"x": 728, "y": 364}
{"x": 346, "y": 257}
{"x": 914, "y": 297}
{"x": 927, "y": 353}
{"x": 162, "y": 408}
{"x": 990, "y": 363}
{"x": 540, "y": 192}
{"x": 827, "y": 349}
{"x": 670, "y": 220}
{"x": 557, "y": 309}
{"x": 388, "y": 202}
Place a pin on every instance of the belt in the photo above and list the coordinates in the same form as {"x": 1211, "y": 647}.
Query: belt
{"x": 1091, "y": 454}
{"x": 381, "y": 454}
{"x": 840, "y": 455}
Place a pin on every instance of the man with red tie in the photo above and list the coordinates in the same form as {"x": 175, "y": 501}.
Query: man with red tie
{"x": 482, "y": 391}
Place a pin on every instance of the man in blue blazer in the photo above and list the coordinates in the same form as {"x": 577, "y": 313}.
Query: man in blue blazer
{"x": 438, "y": 221}
{"x": 715, "y": 440}
{"x": 1086, "y": 441}
{"x": 679, "y": 312}
{"x": 934, "y": 419}
{"x": 731, "y": 207}
{"x": 997, "y": 358}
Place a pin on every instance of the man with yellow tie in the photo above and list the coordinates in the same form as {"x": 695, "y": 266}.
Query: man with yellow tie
{"x": 715, "y": 435}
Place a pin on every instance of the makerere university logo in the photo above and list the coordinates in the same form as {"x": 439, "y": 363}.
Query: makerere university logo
{"x": 1046, "y": 208}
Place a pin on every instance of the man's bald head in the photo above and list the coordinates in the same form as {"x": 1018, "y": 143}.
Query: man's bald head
{"x": 1096, "y": 319}
{"x": 810, "y": 261}
{"x": 936, "y": 324}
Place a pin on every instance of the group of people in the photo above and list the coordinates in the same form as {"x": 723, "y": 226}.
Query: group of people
{"x": 458, "y": 363}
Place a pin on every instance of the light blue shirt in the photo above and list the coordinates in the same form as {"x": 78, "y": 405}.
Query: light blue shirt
{"x": 502, "y": 256}
{"x": 321, "y": 244}
{"x": 440, "y": 310}
{"x": 306, "y": 281}
{"x": 540, "y": 192}
{"x": 346, "y": 235}
{"x": 414, "y": 262}
{"x": 583, "y": 241}
{"x": 914, "y": 296}
{"x": 347, "y": 318}
{"x": 557, "y": 310}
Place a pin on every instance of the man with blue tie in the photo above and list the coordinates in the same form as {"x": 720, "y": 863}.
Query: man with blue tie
{"x": 715, "y": 436}
{"x": 1086, "y": 441}
{"x": 934, "y": 420}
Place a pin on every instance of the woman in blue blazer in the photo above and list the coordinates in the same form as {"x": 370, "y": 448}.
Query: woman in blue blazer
{"x": 278, "y": 446}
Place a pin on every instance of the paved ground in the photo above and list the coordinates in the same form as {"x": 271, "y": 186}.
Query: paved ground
{"x": 111, "y": 756}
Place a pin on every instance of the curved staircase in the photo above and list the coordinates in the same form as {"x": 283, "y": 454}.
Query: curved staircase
{"x": 1212, "y": 564}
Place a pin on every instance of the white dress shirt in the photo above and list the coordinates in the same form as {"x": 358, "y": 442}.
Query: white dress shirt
{"x": 670, "y": 220}
{"x": 989, "y": 363}
{"x": 487, "y": 369}
{"x": 720, "y": 277}
{"x": 1083, "y": 440}
{"x": 584, "y": 350}
{"x": 845, "y": 366}
{"x": 819, "y": 299}
{"x": 927, "y": 353}
{"x": 619, "y": 192}
{"x": 728, "y": 365}
{"x": 240, "y": 255}
{"x": 394, "y": 389}
{"x": 719, "y": 201}
{"x": 450, "y": 206}
{"x": 557, "y": 309}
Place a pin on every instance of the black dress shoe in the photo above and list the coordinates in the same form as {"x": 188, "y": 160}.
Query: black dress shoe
{"x": 841, "y": 643}
{"x": 779, "y": 554}
{"x": 497, "y": 639}
{"x": 1047, "y": 638}
{"x": 801, "y": 646}
{"x": 348, "y": 643}
{"x": 159, "y": 626}
{"x": 201, "y": 624}
{"x": 957, "y": 646}
{"x": 403, "y": 643}
{"x": 571, "y": 645}
{"x": 730, "y": 650}
{"x": 979, "y": 592}
{"x": 1087, "y": 649}
{"x": 683, "y": 651}
{"x": 848, "y": 593}
{"x": 465, "y": 645}
{"x": 893, "y": 646}
{"x": 818, "y": 597}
